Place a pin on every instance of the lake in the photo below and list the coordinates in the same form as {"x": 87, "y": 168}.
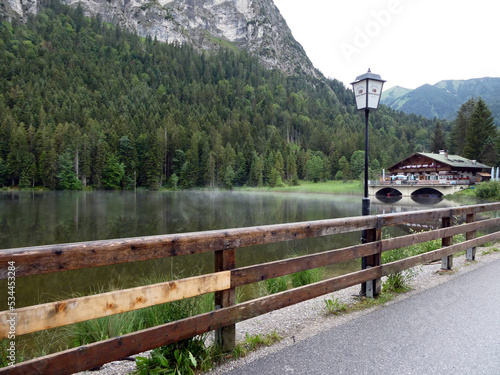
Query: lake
{"x": 39, "y": 218}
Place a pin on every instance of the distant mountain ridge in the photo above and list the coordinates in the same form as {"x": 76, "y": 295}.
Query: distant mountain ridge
{"x": 445, "y": 98}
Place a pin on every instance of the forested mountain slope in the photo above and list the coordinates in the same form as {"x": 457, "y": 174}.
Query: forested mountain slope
{"x": 83, "y": 102}
{"x": 255, "y": 26}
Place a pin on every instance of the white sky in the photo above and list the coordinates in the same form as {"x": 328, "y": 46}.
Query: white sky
{"x": 408, "y": 42}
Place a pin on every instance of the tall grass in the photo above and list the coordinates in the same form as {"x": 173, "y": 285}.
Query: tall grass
{"x": 282, "y": 283}
{"x": 399, "y": 281}
{"x": 307, "y": 277}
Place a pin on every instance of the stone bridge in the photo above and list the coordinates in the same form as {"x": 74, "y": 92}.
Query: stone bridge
{"x": 413, "y": 189}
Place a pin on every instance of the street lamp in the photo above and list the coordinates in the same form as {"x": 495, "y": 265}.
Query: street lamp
{"x": 367, "y": 91}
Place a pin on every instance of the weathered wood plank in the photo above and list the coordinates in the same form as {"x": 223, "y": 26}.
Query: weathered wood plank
{"x": 416, "y": 238}
{"x": 56, "y": 314}
{"x": 431, "y": 256}
{"x": 435, "y": 214}
{"x": 54, "y": 258}
{"x": 252, "y": 274}
{"x": 96, "y": 354}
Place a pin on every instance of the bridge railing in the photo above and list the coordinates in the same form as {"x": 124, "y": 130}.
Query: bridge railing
{"x": 223, "y": 281}
{"x": 420, "y": 182}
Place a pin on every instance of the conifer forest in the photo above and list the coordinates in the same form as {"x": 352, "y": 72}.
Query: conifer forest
{"x": 86, "y": 104}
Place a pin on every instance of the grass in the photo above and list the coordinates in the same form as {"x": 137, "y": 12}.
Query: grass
{"x": 335, "y": 307}
{"x": 253, "y": 342}
{"x": 461, "y": 194}
{"x": 329, "y": 187}
{"x": 489, "y": 251}
{"x": 282, "y": 283}
{"x": 366, "y": 303}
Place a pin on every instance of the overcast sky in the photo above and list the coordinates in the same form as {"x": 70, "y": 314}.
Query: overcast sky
{"x": 408, "y": 42}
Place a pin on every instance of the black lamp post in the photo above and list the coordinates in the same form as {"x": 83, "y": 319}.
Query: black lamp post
{"x": 367, "y": 90}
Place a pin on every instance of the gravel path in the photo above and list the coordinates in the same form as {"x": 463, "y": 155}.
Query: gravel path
{"x": 306, "y": 319}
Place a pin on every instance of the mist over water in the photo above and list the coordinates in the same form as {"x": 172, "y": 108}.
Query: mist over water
{"x": 40, "y": 218}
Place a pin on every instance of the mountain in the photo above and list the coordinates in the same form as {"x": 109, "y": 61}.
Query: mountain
{"x": 444, "y": 99}
{"x": 255, "y": 26}
{"x": 390, "y": 96}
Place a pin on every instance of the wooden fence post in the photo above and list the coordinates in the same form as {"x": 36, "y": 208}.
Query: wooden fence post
{"x": 471, "y": 251}
{"x": 447, "y": 261}
{"x": 374, "y": 287}
{"x": 225, "y": 260}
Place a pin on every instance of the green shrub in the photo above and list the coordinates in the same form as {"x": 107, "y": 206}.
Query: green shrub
{"x": 182, "y": 357}
{"x": 487, "y": 190}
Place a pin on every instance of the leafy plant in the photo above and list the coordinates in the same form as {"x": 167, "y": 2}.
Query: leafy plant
{"x": 398, "y": 282}
{"x": 334, "y": 306}
{"x": 179, "y": 358}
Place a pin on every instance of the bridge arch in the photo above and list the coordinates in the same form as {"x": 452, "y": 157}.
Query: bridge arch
{"x": 388, "y": 192}
{"x": 413, "y": 190}
{"x": 427, "y": 192}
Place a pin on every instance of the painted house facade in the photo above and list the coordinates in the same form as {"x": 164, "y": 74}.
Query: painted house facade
{"x": 430, "y": 168}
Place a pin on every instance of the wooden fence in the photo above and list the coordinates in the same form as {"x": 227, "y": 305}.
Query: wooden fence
{"x": 223, "y": 243}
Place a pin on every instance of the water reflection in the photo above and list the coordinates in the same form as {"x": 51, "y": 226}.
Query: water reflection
{"x": 38, "y": 218}
{"x": 387, "y": 205}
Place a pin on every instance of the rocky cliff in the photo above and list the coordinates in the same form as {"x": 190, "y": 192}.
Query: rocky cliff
{"x": 253, "y": 25}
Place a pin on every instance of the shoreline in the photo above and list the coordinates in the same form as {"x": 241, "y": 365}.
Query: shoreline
{"x": 348, "y": 189}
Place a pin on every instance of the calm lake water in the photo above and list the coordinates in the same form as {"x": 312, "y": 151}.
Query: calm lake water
{"x": 39, "y": 218}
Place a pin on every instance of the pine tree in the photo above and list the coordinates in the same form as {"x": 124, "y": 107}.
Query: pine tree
{"x": 345, "y": 168}
{"x": 113, "y": 174}
{"x": 481, "y": 127}
{"x": 459, "y": 130}
{"x": 438, "y": 139}
{"x": 314, "y": 168}
{"x": 17, "y": 159}
{"x": 67, "y": 179}
{"x": 489, "y": 155}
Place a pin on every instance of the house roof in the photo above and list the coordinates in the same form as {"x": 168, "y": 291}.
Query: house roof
{"x": 452, "y": 160}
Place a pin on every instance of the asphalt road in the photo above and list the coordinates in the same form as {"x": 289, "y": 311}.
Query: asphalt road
{"x": 453, "y": 328}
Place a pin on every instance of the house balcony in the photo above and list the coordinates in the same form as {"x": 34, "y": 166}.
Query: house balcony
{"x": 441, "y": 182}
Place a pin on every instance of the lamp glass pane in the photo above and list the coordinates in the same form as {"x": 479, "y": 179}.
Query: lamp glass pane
{"x": 360, "y": 94}
{"x": 374, "y": 92}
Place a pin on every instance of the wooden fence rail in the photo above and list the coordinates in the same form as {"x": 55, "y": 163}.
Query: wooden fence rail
{"x": 224, "y": 244}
